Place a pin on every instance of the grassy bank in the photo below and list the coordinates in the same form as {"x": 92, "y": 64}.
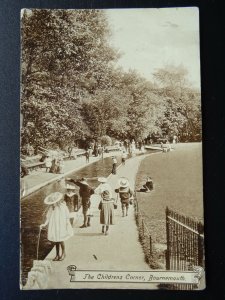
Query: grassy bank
{"x": 177, "y": 177}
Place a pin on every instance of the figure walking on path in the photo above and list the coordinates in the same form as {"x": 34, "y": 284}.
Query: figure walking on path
{"x": 114, "y": 160}
{"x": 48, "y": 163}
{"x": 124, "y": 156}
{"x": 85, "y": 192}
{"x": 125, "y": 194}
{"x": 87, "y": 155}
{"x": 57, "y": 219}
{"x": 103, "y": 186}
{"x": 106, "y": 207}
{"x": 71, "y": 199}
{"x": 61, "y": 166}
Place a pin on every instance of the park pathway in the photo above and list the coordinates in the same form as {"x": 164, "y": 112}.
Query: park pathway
{"x": 39, "y": 178}
{"x": 89, "y": 249}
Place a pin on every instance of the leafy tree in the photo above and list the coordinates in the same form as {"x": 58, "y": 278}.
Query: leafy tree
{"x": 106, "y": 113}
{"x": 182, "y": 104}
{"x": 64, "y": 54}
{"x": 106, "y": 140}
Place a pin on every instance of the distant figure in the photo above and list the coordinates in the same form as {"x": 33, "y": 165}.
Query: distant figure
{"x": 106, "y": 207}
{"x": 87, "y": 155}
{"x": 95, "y": 151}
{"x": 71, "y": 199}
{"x": 23, "y": 170}
{"x": 174, "y": 139}
{"x": 114, "y": 161}
{"x": 148, "y": 186}
{"x": 30, "y": 150}
{"x": 48, "y": 163}
{"x": 124, "y": 156}
{"x": 73, "y": 153}
{"x": 70, "y": 152}
{"x": 90, "y": 151}
{"x": 61, "y": 166}
{"x": 54, "y": 166}
{"x": 125, "y": 194}
{"x": 57, "y": 219}
{"x": 100, "y": 151}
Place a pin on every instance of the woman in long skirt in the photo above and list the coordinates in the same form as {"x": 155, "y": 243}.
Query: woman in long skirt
{"x": 57, "y": 219}
{"x": 106, "y": 207}
{"x": 114, "y": 160}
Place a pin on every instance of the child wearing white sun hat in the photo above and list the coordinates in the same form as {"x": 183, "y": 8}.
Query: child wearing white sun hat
{"x": 125, "y": 193}
{"x": 57, "y": 219}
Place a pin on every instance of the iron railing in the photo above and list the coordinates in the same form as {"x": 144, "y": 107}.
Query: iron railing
{"x": 185, "y": 244}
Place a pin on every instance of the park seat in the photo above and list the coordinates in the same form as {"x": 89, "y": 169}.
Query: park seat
{"x": 34, "y": 166}
{"x": 33, "y": 163}
{"x": 80, "y": 152}
{"x": 111, "y": 148}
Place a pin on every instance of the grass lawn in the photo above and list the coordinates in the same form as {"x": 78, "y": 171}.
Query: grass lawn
{"x": 177, "y": 177}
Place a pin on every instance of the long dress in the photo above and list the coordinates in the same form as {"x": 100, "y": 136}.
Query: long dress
{"x": 71, "y": 202}
{"x": 114, "y": 166}
{"x": 59, "y": 227}
{"x": 107, "y": 212}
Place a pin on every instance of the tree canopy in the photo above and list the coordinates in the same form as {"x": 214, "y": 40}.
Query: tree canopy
{"x": 71, "y": 89}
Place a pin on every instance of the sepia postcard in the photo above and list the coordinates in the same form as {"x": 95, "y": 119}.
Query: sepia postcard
{"x": 111, "y": 184}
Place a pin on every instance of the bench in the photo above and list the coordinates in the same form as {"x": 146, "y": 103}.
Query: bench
{"x": 77, "y": 153}
{"x": 32, "y": 163}
{"x": 111, "y": 148}
{"x": 34, "y": 166}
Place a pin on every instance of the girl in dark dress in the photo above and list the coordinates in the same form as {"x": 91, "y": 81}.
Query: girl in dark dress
{"x": 114, "y": 160}
{"x": 71, "y": 199}
{"x": 106, "y": 207}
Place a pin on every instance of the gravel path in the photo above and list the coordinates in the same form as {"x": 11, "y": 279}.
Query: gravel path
{"x": 89, "y": 249}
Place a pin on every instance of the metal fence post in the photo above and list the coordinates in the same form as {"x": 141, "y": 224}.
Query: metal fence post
{"x": 200, "y": 245}
{"x": 167, "y": 253}
{"x": 143, "y": 228}
{"x": 150, "y": 245}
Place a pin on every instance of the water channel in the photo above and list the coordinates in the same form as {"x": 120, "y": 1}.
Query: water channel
{"x": 33, "y": 212}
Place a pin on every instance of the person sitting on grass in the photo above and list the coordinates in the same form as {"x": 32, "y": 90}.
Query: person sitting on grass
{"x": 148, "y": 186}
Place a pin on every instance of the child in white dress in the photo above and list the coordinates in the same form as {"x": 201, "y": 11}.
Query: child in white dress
{"x": 58, "y": 221}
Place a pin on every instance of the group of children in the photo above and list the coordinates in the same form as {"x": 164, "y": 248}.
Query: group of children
{"x": 54, "y": 165}
{"x": 60, "y": 214}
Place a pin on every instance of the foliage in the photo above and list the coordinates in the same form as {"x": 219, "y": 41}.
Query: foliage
{"x": 182, "y": 115}
{"x": 72, "y": 91}
{"x": 64, "y": 55}
{"x": 106, "y": 140}
{"x": 105, "y": 112}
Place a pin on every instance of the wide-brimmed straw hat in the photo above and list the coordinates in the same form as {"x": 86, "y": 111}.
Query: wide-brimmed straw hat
{"x": 123, "y": 182}
{"x": 149, "y": 178}
{"x": 84, "y": 181}
{"x": 70, "y": 186}
{"x": 53, "y": 198}
{"x": 102, "y": 179}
